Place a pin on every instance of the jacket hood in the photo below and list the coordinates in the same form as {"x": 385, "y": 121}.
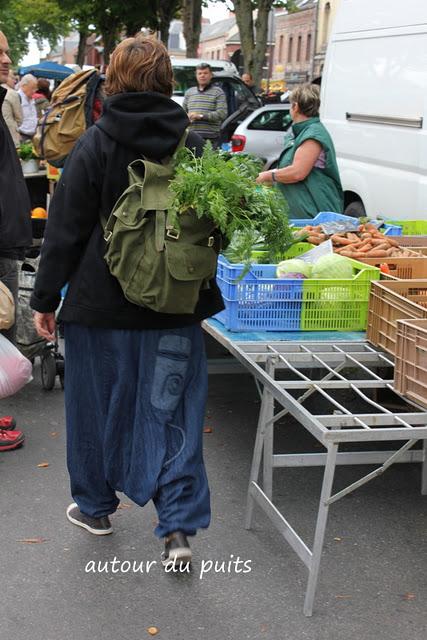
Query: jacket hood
{"x": 148, "y": 122}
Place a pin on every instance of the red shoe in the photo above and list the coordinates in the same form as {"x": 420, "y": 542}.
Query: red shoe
{"x": 7, "y": 422}
{"x": 10, "y": 439}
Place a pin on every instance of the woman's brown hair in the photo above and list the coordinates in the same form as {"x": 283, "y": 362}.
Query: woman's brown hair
{"x": 141, "y": 63}
{"x": 307, "y": 97}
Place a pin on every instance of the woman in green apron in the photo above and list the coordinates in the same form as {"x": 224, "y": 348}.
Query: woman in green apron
{"x": 307, "y": 173}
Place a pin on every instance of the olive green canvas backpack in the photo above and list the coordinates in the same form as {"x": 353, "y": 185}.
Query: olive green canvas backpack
{"x": 158, "y": 266}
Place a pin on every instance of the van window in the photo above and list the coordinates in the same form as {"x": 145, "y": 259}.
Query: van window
{"x": 185, "y": 77}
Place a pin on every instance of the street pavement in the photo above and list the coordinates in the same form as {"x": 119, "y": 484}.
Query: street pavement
{"x": 372, "y": 586}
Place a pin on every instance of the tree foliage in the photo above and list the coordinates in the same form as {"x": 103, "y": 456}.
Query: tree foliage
{"x": 43, "y": 18}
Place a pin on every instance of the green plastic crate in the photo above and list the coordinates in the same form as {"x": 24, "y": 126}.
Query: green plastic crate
{"x": 338, "y": 305}
{"x": 411, "y": 227}
{"x": 298, "y": 249}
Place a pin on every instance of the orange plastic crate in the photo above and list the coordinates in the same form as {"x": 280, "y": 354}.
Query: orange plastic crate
{"x": 402, "y": 268}
{"x": 412, "y": 241}
{"x": 391, "y": 301}
{"x": 410, "y": 373}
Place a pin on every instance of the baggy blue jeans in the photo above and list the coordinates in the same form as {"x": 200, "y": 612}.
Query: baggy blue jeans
{"x": 135, "y": 405}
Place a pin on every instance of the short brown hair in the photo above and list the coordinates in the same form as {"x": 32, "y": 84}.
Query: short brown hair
{"x": 43, "y": 86}
{"x": 307, "y": 97}
{"x": 141, "y": 63}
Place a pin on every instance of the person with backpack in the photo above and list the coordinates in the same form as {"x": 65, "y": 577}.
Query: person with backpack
{"x": 136, "y": 378}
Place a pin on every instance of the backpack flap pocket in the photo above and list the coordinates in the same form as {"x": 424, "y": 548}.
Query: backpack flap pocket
{"x": 186, "y": 269}
{"x": 128, "y": 210}
{"x": 187, "y": 262}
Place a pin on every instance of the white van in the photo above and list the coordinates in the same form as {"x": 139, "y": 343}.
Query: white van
{"x": 374, "y": 104}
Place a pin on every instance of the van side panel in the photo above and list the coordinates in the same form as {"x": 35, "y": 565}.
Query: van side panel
{"x": 379, "y": 74}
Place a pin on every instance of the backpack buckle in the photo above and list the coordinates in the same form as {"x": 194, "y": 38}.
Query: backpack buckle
{"x": 107, "y": 236}
{"x": 211, "y": 241}
{"x": 173, "y": 233}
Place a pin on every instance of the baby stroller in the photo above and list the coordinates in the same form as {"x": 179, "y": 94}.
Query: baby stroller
{"x": 28, "y": 341}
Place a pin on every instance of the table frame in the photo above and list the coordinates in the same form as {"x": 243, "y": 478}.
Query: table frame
{"x": 263, "y": 360}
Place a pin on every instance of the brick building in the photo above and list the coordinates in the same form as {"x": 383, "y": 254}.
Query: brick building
{"x": 325, "y": 18}
{"x": 219, "y": 41}
{"x": 294, "y": 44}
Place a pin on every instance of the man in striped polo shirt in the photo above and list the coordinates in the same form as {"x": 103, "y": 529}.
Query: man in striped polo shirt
{"x": 206, "y": 105}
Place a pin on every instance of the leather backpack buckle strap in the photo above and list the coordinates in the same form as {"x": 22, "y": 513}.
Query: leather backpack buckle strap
{"x": 173, "y": 234}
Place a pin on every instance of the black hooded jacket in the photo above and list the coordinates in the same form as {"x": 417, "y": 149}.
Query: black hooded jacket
{"x": 15, "y": 219}
{"x": 95, "y": 175}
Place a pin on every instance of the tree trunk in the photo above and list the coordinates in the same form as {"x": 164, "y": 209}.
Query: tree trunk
{"x": 81, "y": 49}
{"x": 192, "y": 26}
{"x": 109, "y": 39}
{"x": 261, "y": 34}
{"x": 243, "y": 11}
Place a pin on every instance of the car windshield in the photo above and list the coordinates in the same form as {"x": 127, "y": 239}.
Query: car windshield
{"x": 185, "y": 77}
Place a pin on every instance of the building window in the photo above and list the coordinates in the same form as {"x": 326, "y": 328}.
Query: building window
{"x": 308, "y": 50}
{"x": 212, "y": 55}
{"x": 280, "y": 56}
{"x": 218, "y": 54}
{"x": 299, "y": 48}
{"x": 290, "y": 44}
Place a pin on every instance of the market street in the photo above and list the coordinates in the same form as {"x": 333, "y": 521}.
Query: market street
{"x": 58, "y": 581}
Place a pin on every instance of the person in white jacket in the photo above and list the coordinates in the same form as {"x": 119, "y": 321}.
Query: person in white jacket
{"x": 11, "y": 109}
{"x": 27, "y": 88}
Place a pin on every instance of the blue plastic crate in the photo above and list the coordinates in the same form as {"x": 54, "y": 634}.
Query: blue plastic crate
{"x": 329, "y": 216}
{"x": 324, "y": 216}
{"x": 259, "y": 301}
{"x": 391, "y": 229}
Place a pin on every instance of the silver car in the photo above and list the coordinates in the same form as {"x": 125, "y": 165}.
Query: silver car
{"x": 262, "y": 133}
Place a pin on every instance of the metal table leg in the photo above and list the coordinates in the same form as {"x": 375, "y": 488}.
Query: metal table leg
{"x": 424, "y": 470}
{"x": 269, "y": 439}
{"x": 267, "y": 399}
{"x": 322, "y": 517}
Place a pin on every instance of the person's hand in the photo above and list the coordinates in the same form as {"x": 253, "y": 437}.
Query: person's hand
{"x": 193, "y": 115}
{"x": 264, "y": 177}
{"x": 45, "y": 324}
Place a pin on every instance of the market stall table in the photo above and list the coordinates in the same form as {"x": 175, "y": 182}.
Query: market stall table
{"x": 343, "y": 361}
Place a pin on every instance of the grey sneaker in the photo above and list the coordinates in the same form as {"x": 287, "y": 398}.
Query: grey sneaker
{"x": 97, "y": 526}
{"x": 177, "y": 550}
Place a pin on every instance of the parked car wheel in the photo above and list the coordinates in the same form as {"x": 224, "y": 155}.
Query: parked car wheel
{"x": 355, "y": 209}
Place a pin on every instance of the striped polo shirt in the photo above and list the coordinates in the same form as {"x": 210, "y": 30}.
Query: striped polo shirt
{"x": 212, "y": 103}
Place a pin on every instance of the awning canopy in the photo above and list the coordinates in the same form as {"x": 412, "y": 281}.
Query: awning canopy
{"x": 48, "y": 69}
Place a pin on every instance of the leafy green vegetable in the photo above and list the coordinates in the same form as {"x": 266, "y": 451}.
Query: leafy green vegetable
{"x": 294, "y": 265}
{"x": 222, "y": 186}
{"x": 333, "y": 266}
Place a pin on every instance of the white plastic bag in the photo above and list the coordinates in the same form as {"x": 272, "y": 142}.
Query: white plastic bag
{"x": 15, "y": 369}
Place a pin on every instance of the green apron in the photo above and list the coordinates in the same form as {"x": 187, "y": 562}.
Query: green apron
{"x": 321, "y": 190}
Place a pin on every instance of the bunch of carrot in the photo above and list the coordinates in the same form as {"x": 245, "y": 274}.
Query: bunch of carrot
{"x": 366, "y": 242}
{"x": 314, "y": 235}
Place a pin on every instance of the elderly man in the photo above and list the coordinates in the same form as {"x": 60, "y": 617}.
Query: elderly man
{"x": 206, "y": 105}
{"x": 15, "y": 227}
{"x": 27, "y": 88}
{"x": 12, "y": 109}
